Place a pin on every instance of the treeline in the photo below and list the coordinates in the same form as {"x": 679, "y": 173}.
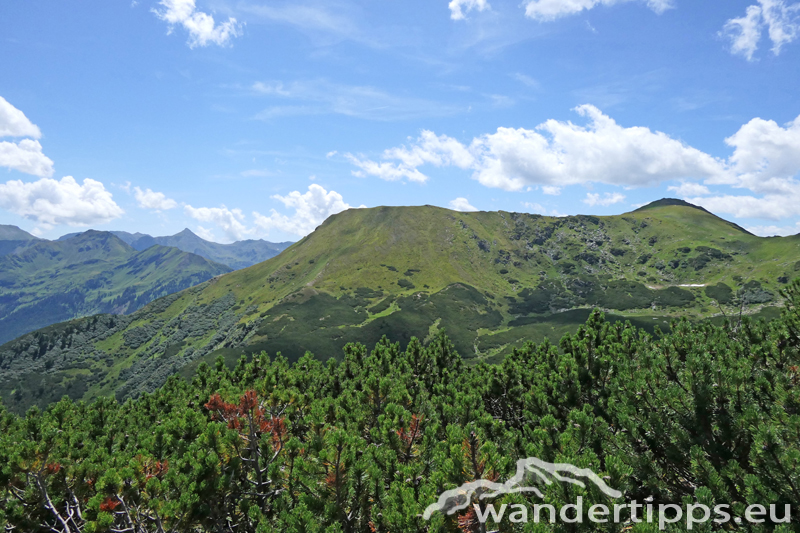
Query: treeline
{"x": 704, "y": 414}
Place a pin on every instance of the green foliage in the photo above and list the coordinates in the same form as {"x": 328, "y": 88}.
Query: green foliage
{"x": 720, "y": 292}
{"x": 364, "y": 444}
{"x": 406, "y": 284}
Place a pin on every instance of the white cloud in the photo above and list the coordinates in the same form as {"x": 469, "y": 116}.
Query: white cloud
{"x": 537, "y": 208}
{"x": 551, "y": 190}
{"x": 607, "y": 199}
{"x": 567, "y": 154}
{"x": 541, "y": 210}
{"x": 766, "y": 156}
{"x": 689, "y": 188}
{"x": 201, "y": 26}
{"x": 385, "y": 171}
{"x": 554, "y": 154}
{"x": 148, "y": 199}
{"x": 458, "y": 8}
{"x": 50, "y": 202}
{"x": 461, "y": 204}
{"x": 780, "y": 20}
{"x": 769, "y": 207}
{"x": 772, "y": 231}
{"x": 427, "y": 149}
{"x": 229, "y": 220}
{"x": 205, "y": 233}
{"x": 14, "y": 123}
{"x": 744, "y": 32}
{"x": 765, "y": 161}
{"x": 26, "y": 156}
{"x": 546, "y": 10}
{"x": 310, "y": 210}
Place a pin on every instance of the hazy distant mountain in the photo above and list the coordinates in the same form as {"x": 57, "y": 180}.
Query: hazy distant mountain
{"x": 237, "y": 255}
{"x": 12, "y": 238}
{"x": 240, "y": 254}
{"x": 494, "y": 280}
{"x": 43, "y": 282}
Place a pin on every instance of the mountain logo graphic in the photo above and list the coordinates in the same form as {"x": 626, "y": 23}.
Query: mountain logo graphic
{"x": 530, "y": 469}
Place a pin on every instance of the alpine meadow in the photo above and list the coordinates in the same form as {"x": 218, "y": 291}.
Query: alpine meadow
{"x": 433, "y": 266}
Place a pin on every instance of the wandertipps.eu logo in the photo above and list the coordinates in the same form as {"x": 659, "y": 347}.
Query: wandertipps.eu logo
{"x": 530, "y": 470}
{"x": 532, "y": 473}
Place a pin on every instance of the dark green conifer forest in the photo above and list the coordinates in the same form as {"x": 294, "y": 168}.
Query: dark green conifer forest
{"x": 706, "y": 413}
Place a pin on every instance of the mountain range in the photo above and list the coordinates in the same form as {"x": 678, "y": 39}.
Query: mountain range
{"x": 43, "y": 282}
{"x": 493, "y": 280}
{"x": 239, "y": 254}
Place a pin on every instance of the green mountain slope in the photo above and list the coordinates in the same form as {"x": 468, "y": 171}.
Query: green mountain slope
{"x": 95, "y": 272}
{"x": 493, "y": 280}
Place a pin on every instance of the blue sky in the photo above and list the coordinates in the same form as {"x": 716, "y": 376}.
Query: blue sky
{"x": 258, "y": 119}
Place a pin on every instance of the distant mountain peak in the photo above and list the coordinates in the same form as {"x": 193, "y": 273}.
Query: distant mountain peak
{"x": 666, "y": 202}
{"x": 671, "y": 202}
{"x": 13, "y": 233}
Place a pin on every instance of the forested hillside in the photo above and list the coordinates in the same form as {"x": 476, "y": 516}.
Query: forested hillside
{"x": 45, "y": 282}
{"x": 493, "y": 280}
{"x": 703, "y": 414}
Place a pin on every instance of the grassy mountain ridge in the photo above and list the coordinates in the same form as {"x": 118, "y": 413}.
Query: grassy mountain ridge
{"x": 492, "y": 279}
{"x": 95, "y": 272}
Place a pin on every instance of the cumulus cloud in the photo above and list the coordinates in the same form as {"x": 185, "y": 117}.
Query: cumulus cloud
{"x": 428, "y": 148}
{"x": 779, "y": 19}
{"x": 461, "y": 204}
{"x": 201, "y": 26}
{"x": 49, "y": 202}
{"x": 562, "y": 153}
{"x": 310, "y": 210}
{"x": 231, "y": 221}
{"x": 546, "y": 10}
{"x": 385, "y": 171}
{"x": 149, "y": 199}
{"x": 769, "y": 207}
{"x": 554, "y": 154}
{"x": 26, "y": 156}
{"x": 607, "y": 199}
{"x": 551, "y": 190}
{"x": 459, "y": 8}
{"x": 773, "y": 231}
{"x": 14, "y": 123}
{"x": 766, "y": 156}
{"x": 765, "y": 161}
